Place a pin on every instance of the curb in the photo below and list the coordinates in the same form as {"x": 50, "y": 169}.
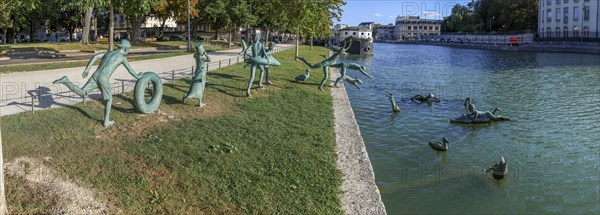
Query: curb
{"x": 359, "y": 193}
{"x": 4, "y": 58}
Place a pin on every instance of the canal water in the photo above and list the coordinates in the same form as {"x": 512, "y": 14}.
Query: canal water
{"x": 552, "y": 144}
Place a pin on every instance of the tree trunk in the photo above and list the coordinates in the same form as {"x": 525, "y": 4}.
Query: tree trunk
{"x": 267, "y": 37}
{"x": 136, "y": 25}
{"x": 311, "y": 42}
{"x": 3, "y": 208}
{"x": 297, "y": 44}
{"x": 31, "y": 31}
{"x": 216, "y": 34}
{"x": 248, "y": 34}
{"x": 86, "y": 25}
{"x": 95, "y": 29}
{"x": 161, "y": 29}
{"x": 111, "y": 27}
{"x": 230, "y": 38}
{"x": 4, "y": 37}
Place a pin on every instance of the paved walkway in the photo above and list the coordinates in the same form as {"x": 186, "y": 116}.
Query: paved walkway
{"x": 16, "y": 89}
{"x": 359, "y": 193}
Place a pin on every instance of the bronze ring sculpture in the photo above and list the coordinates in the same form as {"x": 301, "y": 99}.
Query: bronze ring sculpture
{"x": 140, "y": 87}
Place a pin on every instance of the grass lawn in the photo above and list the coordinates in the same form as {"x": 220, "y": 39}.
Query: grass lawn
{"x": 62, "y": 46}
{"x": 271, "y": 153}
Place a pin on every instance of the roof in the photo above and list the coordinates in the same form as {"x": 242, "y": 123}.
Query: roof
{"x": 366, "y": 23}
{"x": 355, "y": 28}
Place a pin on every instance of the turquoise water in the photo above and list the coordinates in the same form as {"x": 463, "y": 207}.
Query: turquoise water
{"x": 552, "y": 144}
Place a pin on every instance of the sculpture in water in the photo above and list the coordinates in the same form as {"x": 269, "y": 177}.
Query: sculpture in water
{"x": 199, "y": 81}
{"x": 327, "y": 62}
{"x": 421, "y": 99}
{"x": 499, "y": 170}
{"x": 344, "y": 66}
{"x": 440, "y": 146}
{"x": 395, "y": 107}
{"x": 475, "y": 117}
{"x": 354, "y": 81}
{"x": 100, "y": 79}
{"x": 257, "y": 56}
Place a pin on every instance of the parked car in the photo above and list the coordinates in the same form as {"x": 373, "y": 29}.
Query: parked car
{"x": 178, "y": 38}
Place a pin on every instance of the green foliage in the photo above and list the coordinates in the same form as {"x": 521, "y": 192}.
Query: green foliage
{"x": 494, "y": 15}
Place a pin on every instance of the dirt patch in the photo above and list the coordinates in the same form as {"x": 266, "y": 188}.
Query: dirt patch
{"x": 144, "y": 124}
{"x": 70, "y": 198}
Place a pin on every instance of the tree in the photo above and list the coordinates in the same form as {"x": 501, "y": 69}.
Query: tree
{"x": 309, "y": 15}
{"x": 136, "y": 11}
{"x": 14, "y": 13}
{"x": 215, "y": 13}
{"x": 239, "y": 13}
{"x": 176, "y": 9}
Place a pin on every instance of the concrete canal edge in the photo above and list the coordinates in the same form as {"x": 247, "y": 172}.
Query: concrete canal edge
{"x": 359, "y": 193}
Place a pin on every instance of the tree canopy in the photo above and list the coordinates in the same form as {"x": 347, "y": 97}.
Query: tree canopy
{"x": 493, "y": 15}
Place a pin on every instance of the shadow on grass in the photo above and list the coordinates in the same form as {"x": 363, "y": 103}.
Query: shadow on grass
{"x": 228, "y": 89}
{"x": 303, "y": 83}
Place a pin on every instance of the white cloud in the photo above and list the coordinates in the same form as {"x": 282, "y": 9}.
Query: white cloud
{"x": 378, "y": 14}
{"x": 392, "y": 17}
{"x": 431, "y": 13}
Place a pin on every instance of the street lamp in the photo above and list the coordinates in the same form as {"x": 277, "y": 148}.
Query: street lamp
{"x": 189, "y": 47}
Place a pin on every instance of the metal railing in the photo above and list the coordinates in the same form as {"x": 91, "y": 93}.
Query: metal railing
{"x": 118, "y": 87}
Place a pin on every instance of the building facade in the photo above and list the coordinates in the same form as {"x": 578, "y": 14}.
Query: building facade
{"x": 413, "y": 27}
{"x": 368, "y": 25}
{"x": 386, "y": 32}
{"x": 574, "y": 19}
{"x": 356, "y": 32}
{"x": 338, "y": 27}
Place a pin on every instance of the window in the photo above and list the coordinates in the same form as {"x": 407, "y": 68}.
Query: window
{"x": 409, "y": 27}
{"x": 586, "y": 31}
{"x": 542, "y": 17}
{"x": 575, "y": 31}
{"x": 548, "y": 2}
{"x": 558, "y": 14}
{"x": 575, "y": 14}
{"x": 362, "y": 33}
{"x": 548, "y": 32}
{"x": 549, "y": 15}
{"x": 586, "y": 13}
{"x": 566, "y": 31}
{"x": 566, "y": 1}
{"x": 346, "y": 33}
{"x": 354, "y": 33}
{"x": 557, "y": 32}
{"x": 566, "y": 15}
{"x": 437, "y": 28}
{"x": 431, "y": 28}
{"x": 557, "y": 1}
{"x": 575, "y": 1}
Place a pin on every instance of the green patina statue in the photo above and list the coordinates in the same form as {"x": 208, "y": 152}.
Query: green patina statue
{"x": 327, "y": 62}
{"x": 344, "y": 66}
{"x": 257, "y": 56}
{"x": 199, "y": 81}
{"x": 100, "y": 79}
{"x": 425, "y": 99}
{"x": 395, "y": 107}
{"x": 476, "y": 117}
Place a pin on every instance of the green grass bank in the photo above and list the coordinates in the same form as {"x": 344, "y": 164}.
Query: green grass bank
{"x": 271, "y": 153}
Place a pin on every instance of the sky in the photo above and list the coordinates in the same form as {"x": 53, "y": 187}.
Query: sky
{"x": 386, "y": 11}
